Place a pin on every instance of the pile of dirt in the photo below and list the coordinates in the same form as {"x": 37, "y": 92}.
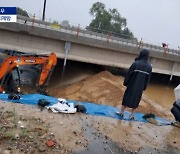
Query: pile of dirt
{"x": 102, "y": 88}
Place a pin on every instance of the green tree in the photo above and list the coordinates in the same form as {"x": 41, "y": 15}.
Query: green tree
{"x": 22, "y": 12}
{"x": 55, "y": 22}
{"x": 65, "y": 23}
{"x": 108, "y": 20}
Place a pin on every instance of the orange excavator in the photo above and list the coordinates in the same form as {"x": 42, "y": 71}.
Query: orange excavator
{"x": 10, "y": 72}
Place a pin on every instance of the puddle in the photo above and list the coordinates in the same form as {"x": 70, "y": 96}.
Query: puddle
{"x": 98, "y": 143}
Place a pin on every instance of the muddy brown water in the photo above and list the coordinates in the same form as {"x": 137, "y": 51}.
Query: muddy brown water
{"x": 161, "y": 90}
{"x": 161, "y": 94}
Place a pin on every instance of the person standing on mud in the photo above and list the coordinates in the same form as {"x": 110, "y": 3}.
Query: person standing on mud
{"x": 136, "y": 82}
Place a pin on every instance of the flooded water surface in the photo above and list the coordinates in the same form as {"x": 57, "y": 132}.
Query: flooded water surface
{"x": 161, "y": 94}
{"x": 161, "y": 90}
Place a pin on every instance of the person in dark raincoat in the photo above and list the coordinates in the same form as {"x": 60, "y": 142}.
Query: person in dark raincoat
{"x": 176, "y": 110}
{"x": 136, "y": 82}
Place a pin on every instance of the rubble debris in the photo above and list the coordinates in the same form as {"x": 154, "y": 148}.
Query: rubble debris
{"x": 50, "y": 143}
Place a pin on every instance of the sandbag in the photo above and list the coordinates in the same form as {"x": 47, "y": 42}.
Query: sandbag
{"x": 80, "y": 108}
{"x": 14, "y": 96}
{"x": 43, "y": 102}
{"x": 150, "y": 115}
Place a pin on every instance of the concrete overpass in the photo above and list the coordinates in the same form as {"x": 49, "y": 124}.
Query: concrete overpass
{"x": 35, "y": 36}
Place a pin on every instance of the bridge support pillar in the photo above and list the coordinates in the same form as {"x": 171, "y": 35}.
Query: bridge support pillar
{"x": 67, "y": 48}
{"x": 153, "y": 61}
{"x": 173, "y": 69}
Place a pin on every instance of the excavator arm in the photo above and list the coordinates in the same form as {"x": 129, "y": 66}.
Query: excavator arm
{"x": 48, "y": 62}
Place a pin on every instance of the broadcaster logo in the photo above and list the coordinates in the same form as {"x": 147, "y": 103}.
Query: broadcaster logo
{"x": 8, "y": 14}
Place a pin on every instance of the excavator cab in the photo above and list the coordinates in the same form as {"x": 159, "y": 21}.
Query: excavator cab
{"x": 12, "y": 81}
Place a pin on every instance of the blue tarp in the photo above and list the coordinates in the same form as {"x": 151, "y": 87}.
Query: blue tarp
{"x": 91, "y": 108}
{"x": 30, "y": 99}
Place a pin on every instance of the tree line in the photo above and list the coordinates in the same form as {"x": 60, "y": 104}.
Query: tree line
{"x": 108, "y": 21}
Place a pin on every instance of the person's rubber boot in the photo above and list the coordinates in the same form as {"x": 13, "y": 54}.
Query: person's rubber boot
{"x": 120, "y": 114}
{"x": 131, "y": 117}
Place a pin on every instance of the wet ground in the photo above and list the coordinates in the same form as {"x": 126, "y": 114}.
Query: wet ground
{"x": 80, "y": 133}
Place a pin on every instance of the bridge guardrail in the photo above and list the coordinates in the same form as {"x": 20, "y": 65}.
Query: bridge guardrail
{"x": 100, "y": 36}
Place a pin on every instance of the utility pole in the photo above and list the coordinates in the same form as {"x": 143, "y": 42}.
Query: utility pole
{"x": 44, "y": 10}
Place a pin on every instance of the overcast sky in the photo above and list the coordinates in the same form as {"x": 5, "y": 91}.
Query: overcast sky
{"x": 155, "y": 21}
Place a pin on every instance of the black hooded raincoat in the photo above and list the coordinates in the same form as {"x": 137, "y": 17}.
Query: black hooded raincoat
{"x": 136, "y": 80}
{"x": 176, "y": 110}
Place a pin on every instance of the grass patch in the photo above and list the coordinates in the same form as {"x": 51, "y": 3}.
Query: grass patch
{"x": 24, "y": 133}
{"x": 1, "y": 128}
{"x": 8, "y": 135}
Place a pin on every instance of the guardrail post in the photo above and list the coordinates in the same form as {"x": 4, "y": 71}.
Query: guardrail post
{"x": 140, "y": 44}
{"x": 33, "y": 20}
{"x": 178, "y": 51}
{"x": 173, "y": 69}
{"x": 78, "y": 29}
{"x": 108, "y": 38}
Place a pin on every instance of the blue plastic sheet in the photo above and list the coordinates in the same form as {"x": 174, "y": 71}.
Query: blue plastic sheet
{"x": 110, "y": 111}
{"x": 30, "y": 99}
{"x": 91, "y": 108}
